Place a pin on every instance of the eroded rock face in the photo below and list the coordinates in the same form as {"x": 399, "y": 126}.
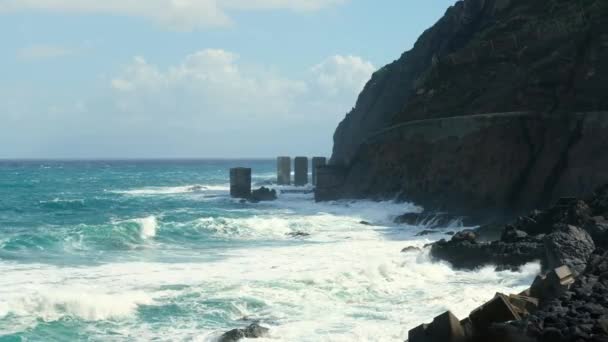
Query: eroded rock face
{"x": 418, "y": 121}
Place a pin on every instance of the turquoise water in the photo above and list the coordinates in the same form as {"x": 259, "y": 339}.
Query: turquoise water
{"x": 156, "y": 250}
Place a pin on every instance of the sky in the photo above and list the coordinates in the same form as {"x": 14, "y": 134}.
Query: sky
{"x": 191, "y": 78}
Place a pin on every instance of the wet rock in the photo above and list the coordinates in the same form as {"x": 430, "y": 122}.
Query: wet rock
{"x": 426, "y": 232}
{"x": 490, "y": 231}
{"x": 410, "y": 249}
{"x": 429, "y": 220}
{"x": 465, "y": 235}
{"x": 253, "y": 331}
{"x": 464, "y": 251}
{"x": 365, "y": 223}
{"x": 568, "y": 245}
{"x": 263, "y": 194}
{"x": 597, "y": 227}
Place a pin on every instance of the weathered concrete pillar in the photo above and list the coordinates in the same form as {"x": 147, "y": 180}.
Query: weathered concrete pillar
{"x": 240, "y": 182}
{"x": 330, "y": 180}
{"x": 283, "y": 170}
{"x": 316, "y": 163}
{"x": 301, "y": 171}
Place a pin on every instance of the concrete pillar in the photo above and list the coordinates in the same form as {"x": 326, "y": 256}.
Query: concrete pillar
{"x": 316, "y": 163}
{"x": 301, "y": 171}
{"x": 240, "y": 182}
{"x": 283, "y": 170}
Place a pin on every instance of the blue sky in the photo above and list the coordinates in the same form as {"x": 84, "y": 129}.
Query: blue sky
{"x": 191, "y": 78}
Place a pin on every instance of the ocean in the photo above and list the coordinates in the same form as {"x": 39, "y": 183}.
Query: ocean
{"x": 158, "y": 251}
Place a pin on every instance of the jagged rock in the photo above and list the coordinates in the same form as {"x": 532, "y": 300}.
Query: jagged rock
{"x": 464, "y": 251}
{"x": 253, "y": 331}
{"x": 429, "y": 220}
{"x": 568, "y": 245}
{"x": 263, "y": 194}
{"x": 465, "y": 235}
{"x": 410, "y": 249}
{"x": 512, "y": 234}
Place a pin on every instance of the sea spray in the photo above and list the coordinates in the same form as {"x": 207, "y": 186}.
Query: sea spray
{"x": 147, "y": 226}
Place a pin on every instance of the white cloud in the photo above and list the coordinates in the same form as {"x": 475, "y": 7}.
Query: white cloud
{"x": 176, "y": 14}
{"x": 42, "y": 51}
{"x": 211, "y": 103}
{"x": 211, "y": 80}
{"x": 340, "y": 74}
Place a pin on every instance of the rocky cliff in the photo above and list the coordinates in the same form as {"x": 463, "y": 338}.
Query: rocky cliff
{"x": 417, "y": 129}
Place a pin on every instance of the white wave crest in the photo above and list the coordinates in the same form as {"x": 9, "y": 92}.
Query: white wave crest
{"x": 147, "y": 226}
{"x": 173, "y": 190}
{"x": 53, "y": 304}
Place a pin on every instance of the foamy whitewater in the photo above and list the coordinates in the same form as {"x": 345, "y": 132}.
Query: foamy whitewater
{"x": 139, "y": 251}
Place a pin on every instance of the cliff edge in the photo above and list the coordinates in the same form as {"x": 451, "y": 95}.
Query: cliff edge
{"x": 500, "y": 105}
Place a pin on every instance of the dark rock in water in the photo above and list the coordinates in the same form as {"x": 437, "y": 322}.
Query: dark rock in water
{"x": 426, "y": 232}
{"x": 263, "y": 194}
{"x": 570, "y": 246}
{"x": 511, "y": 234}
{"x": 490, "y": 231}
{"x": 465, "y": 235}
{"x": 298, "y": 234}
{"x": 450, "y": 233}
{"x": 429, "y": 220}
{"x": 365, "y": 223}
{"x": 464, "y": 251}
{"x": 253, "y": 331}
{"x": 410, "y": 249}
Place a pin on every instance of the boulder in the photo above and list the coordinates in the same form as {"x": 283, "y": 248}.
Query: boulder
{"x": 263, "y": 194}
{"x": 570, "y": 246}
{"x": 597, "y": 227}
{"x": 410, "y": 249}
{"x": 252, "y": 331}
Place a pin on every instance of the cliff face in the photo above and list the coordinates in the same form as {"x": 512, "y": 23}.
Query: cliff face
{"x": 544, "y": 59}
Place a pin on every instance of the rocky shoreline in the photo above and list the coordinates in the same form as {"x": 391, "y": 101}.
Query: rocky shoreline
{"x": 568, "y": 302}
